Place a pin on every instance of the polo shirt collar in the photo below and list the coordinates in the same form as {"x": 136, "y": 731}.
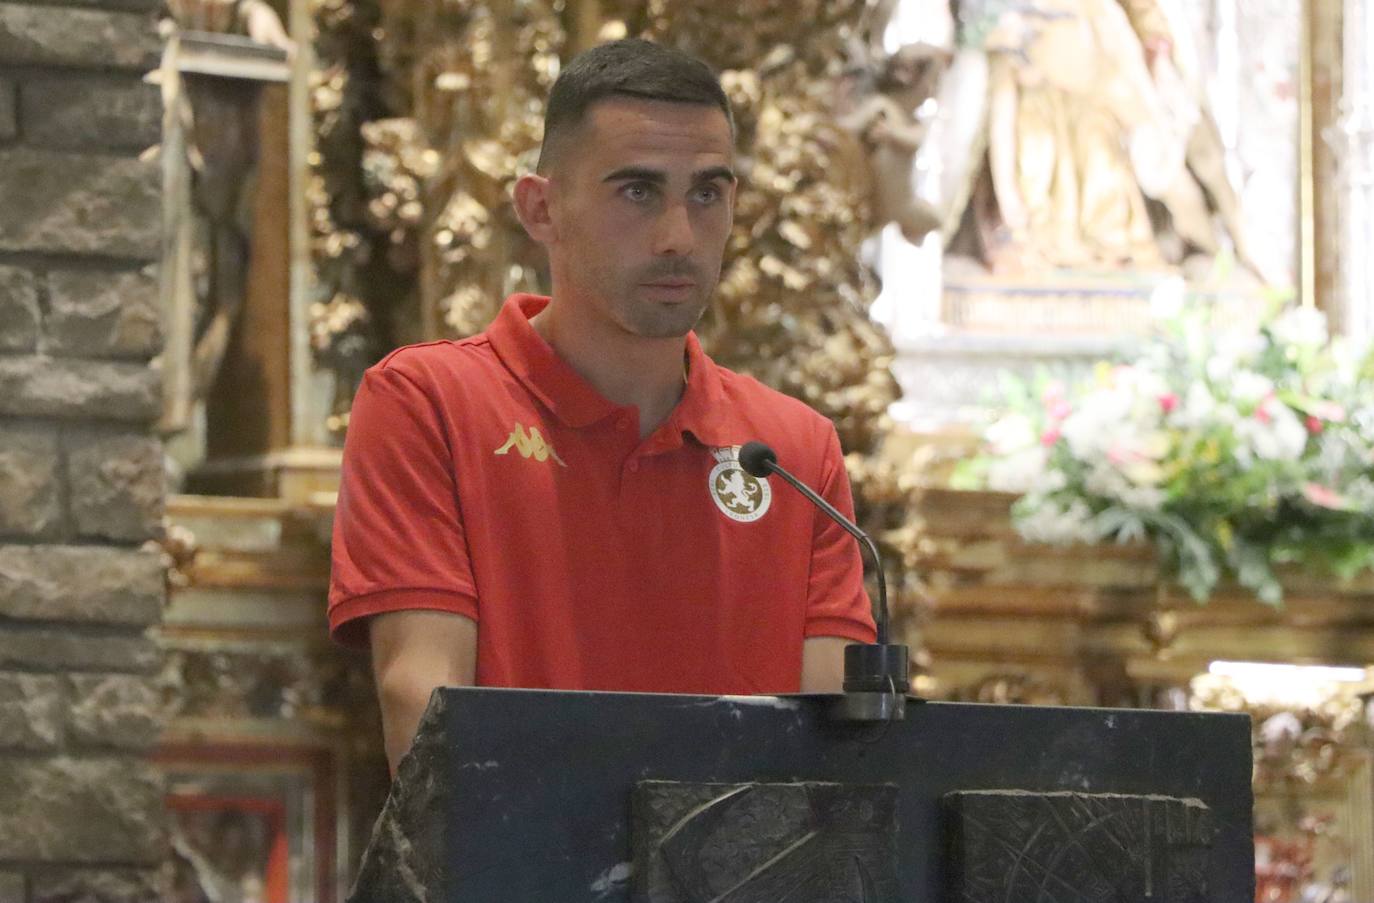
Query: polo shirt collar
{"x": 702, "y": 412}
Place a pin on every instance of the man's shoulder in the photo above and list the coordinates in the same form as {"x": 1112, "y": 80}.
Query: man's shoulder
{"x": 438, "y": 363}
{"x": 801, "y": 436}
{"x": 748, "y": 396}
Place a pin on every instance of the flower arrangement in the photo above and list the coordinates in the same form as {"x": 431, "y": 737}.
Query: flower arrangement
{"x": 1234, "y": 450}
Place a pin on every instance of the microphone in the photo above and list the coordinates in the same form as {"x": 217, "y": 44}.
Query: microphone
{"x": 876, "y": 675}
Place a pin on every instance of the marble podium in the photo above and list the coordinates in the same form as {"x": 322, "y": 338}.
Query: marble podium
{"x": 524, "y": 796}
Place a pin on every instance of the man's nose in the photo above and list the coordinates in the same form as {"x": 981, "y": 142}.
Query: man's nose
{"x": 673, "y": 230}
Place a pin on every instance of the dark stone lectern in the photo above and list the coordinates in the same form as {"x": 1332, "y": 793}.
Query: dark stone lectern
{"x": 523, "y": 796}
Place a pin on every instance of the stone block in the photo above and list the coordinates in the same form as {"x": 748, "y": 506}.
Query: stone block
{"x": 54, "y": 387}
{"x": 18, "y": 301}
{"x": 807, "y": 842}
{"x": 118, "y": 710}
{"x": 116, "y": 485}
{"x": 49, "y": 649}
{"x": 1014, "y": 844}
{"x": 98, "y": 886}
{"x": 101, "y": 314}
{"x": 84, "y": 584}
{"x": 96, "y": 111}
{"x": 9, "y": 121}
{"x": 81, "y": 810}
{"x": 86, "y": 38}
{"x": 32, "y": 711}
{"x": 29, "y": 475}
{"x": 13, "y": 888}
{"x": 79, "y": 203}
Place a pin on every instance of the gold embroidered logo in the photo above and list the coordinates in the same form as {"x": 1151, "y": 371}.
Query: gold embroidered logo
{"x": 739, "y": 495}
{"x": 530, "y": 444}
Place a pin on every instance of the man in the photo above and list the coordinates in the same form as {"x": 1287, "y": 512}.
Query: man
{"x": 557, "y": 502}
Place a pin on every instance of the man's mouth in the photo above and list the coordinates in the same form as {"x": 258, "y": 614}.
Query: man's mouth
{"x": 671, "y": 283}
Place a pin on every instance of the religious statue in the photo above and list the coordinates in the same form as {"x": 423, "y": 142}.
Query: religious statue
{"x": 1101, "y": 152}
{"x": 893, "y": 121}
{"x": 211, "y": 122}
{"x": 1200, "y": 185}
{"x": 1072, "y": 120}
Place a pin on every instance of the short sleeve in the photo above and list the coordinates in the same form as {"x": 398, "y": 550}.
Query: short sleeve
{"x": 837, "y": 604}
{"x": 398, "y": 539}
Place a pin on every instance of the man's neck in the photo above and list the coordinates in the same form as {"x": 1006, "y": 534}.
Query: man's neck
{"x": 626, "y": 369}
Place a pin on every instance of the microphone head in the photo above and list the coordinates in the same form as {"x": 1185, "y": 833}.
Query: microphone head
{"x": 755, "y": 458}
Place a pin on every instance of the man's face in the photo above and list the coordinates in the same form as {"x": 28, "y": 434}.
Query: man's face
{"x": 642, "y": 204}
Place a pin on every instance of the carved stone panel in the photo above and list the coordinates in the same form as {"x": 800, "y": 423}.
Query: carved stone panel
{"x": 1079, "y": 847}
{"x": 760, "y": 843}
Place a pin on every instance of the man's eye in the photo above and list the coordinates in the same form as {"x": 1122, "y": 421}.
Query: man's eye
{"x": 708, "y": 194}
{"x": 636, "y": 191}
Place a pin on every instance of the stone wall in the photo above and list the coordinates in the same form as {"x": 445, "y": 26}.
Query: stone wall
{"x": 81, "y": 489}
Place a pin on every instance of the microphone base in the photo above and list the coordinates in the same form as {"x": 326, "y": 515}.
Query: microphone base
{"x": 861, "y": 706}
{"x": 876, "y": 681}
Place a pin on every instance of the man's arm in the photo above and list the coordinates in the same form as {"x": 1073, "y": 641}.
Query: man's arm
{"x": 823, "y": 664}
{"x": 412, "y": 653}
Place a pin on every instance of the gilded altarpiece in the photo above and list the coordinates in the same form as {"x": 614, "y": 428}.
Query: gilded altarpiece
{"x": 419, "y": 117}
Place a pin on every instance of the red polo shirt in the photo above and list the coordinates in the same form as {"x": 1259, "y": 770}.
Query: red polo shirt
{"x": 486, "y": 478}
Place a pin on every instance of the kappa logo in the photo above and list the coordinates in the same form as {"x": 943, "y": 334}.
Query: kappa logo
{"x": 530, "y": 444}
{"x": 739, "y": 495}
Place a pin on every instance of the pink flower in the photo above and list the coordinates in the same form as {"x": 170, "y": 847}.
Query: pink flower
{"x": 1314, "y": 425}
{"x": 1168, "y": 401}
{"x": 1050, "y": 436}
{"x": 1060, "y": 409}
{"x": 1323, "y": 497}
{"x": 1262, "y": 412}
{"x": 1331, "y": 411}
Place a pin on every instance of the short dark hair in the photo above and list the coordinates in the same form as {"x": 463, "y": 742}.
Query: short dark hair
{"x": 630, "y": 67}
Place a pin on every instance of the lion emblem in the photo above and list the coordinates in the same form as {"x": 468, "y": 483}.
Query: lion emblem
{"x": 739, "y": 495}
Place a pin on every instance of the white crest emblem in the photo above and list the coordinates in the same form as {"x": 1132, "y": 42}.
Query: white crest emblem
{"x": 738, "y": 494}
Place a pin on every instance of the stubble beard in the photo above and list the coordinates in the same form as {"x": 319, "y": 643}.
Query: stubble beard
{"x": 653, "y": 319}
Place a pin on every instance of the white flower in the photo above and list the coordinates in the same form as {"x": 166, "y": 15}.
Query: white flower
{"x": 1248, "y": 387}
{"x": 1199, "y": 407}
{"x": 1020, "y": 470}
{"x": 1010, "y": 434}
{"x": 1109, "y": 482}
{"x": 1051, "y": 522}
{"x": 1276, "y": 435}
{"x": 1303, "y": 326}
{"x": 1096, "y": 421}
{"x": 1233, "y": 350}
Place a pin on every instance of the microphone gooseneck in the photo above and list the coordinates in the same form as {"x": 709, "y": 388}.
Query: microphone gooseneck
{"x": 875, "y": 674}
{"x": 759, "y": 460}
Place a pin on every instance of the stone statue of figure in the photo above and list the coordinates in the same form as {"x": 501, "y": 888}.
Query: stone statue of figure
{"x": 1073, "y": 121}
{"x": 1093, "y": 108}
{"x": 892, "y": 122}
{"x": 221, "y": 116}
{"x": 1199, "y": 185}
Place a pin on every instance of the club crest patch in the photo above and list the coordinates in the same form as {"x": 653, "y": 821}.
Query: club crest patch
{"x": 738, "y": 494}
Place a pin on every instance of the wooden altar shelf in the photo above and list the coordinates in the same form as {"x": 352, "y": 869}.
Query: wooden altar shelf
{"x": 254, "y": 545}
{"x": 1096, "y": 622}
{"x": 254, "y": 688}
{"x": 1090, "y": 622}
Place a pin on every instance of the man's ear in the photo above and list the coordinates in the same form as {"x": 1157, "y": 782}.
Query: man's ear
{"x": 533, "y": 199}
